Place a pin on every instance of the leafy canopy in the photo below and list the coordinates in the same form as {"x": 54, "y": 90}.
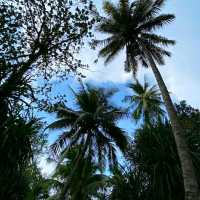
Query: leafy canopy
{"x": 38, "y": 41}
{"x": 92, "y": 125}
{"x": 134, "y": 26}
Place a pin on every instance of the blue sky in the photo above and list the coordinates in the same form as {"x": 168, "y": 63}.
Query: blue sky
{"x": 181, "y": 72}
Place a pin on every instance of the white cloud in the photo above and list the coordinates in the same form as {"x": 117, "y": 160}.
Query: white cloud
{"x": 98, "y": 72}
{"x": 181, "y": 72}
{"x": 47, "y": 168}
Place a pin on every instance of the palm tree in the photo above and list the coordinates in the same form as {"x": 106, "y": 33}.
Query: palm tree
{"x": 132, "y": 26}
{"x": 145, "y": 102}
{"x": 92, "y": 125}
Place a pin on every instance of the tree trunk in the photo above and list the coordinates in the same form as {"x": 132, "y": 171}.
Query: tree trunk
{"x": 189, "y": 177}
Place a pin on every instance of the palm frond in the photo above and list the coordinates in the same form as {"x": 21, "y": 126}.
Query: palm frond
{"x": 145, "y": 102}
{"x": 117, "y": 134}
{"x": 108, "y": 26}
{"x": 159, "y": 3}
{"x": 112, "y": 156}
{"x": 154, "y": 8}
{"x": 95, "y": 182}
{"x": 141, "y": 10}
{"x": 157, "y": 39}
{"x": 66, "y": 112}
{"x": 111, "y": 50}
{"x": 124, "y": 7}
{"x": 59, "y": 124}
{"x": 110, "y": 9}
{"x": 157, "y": 22}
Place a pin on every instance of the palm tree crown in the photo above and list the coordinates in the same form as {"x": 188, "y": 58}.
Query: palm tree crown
{"x": 132, "y": 26}
{"x": 146, "y": 102}
{"x": 92, "y": 125}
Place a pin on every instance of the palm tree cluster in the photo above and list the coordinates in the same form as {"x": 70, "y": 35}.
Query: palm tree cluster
{"x": 133, "y": 26}
{"x": 151, "y": 168}
{"x": 94, "y": 157}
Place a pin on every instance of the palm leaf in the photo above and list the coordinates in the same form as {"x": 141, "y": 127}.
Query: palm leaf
{"x": 61, "y": 123}
{"x": 157, "y": 22}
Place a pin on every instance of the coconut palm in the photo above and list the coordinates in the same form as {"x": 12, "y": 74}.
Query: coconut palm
{"x": 92, "y": 125}
{"x": 132, "y": 26}
{"x": 145, "y": 102}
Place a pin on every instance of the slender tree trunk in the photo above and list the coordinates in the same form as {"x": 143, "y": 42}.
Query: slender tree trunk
{"x": 189, "y": 177}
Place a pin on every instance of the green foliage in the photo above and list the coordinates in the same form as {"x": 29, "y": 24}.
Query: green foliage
{"x": 127, "y": 184}
{"x": 84, "y": 183}
{"x": 39, "y": 39}
{"x": 37, "y": 187}
{"x": 154, "y": 154}
{"x": 92, "y": 125}
{"x": 145, "y": 103}
{"x": 190, "y": 119}
{"x": 132, "y": 26}
{"x": 21, "y": 142}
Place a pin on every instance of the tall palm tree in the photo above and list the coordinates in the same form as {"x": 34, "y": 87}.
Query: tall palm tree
{"x": 92, "y": 125}
{"x": 132, "y": 26}
{"x": 145, "y": 102}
